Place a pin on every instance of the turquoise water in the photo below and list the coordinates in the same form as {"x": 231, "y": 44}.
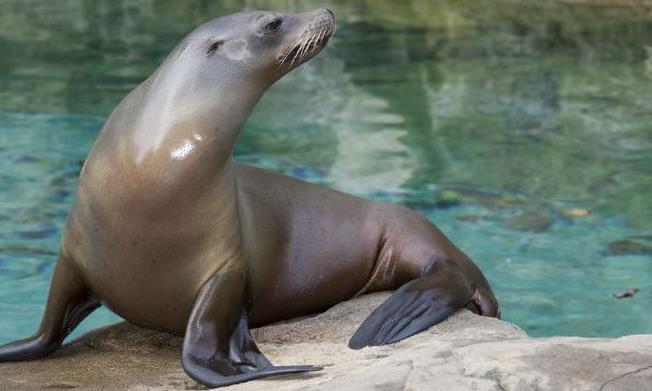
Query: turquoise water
{"x": 522, "y": 129}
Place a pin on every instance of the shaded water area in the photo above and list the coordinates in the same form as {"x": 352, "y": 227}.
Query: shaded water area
{"x": 523, "y": 129}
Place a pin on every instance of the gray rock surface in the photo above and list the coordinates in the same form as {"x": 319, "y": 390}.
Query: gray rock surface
{"x": 466, "y": 352}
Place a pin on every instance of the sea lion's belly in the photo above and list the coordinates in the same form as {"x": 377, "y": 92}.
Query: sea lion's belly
{"x": 307, "y": 247}
{"x": 152, "y": 293}
{"x": 146, "y": 276}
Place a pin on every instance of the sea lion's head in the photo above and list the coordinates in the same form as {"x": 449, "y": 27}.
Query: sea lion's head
{"x": 215, "y": 76}
{"x": 259, "y": 46}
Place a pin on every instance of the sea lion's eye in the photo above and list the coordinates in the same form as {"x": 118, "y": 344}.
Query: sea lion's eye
{"x": 274, "y": 25}
{"x": 214, "y": 46}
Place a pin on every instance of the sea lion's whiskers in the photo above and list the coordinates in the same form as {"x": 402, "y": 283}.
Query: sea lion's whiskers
{"x": 297, "y": 49}
{"x": 318, "y": 36}
{"x": 321, "y": 35}
{"x": 287, "y": 54}
{"x": 308, "y": 42}
{"x": 291, "y": 49}
{"x": 309, "y": 46}
{"x": 304, "y": 47}
{"x": 285, "y": 57}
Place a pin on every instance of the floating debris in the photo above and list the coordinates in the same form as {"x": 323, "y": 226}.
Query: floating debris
{"x": 626, "y": 293}
{"x": 576, "y": 213}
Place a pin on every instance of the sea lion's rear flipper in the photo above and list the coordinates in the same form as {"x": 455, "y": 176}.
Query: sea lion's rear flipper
{"x": 69, "y": 302}
{"x": 218, "y": 349}
{"x": 414, "y": 307}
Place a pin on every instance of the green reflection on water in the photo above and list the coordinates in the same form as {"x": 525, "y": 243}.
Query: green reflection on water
{"x": 493, "y": 118}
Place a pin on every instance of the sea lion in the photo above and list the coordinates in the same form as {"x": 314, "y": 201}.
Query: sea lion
{"x": 171, "y": 234}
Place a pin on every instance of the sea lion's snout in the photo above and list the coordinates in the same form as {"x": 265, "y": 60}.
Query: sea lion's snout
{"x": 312, "y": 31}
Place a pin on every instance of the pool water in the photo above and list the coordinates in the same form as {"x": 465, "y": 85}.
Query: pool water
{"x": 522, "y": 129}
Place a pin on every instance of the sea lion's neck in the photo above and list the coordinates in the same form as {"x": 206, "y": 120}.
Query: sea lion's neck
{"x": 182, "y": 120}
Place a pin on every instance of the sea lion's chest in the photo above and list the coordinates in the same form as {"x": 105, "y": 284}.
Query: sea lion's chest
{"x": 146, "y": 252}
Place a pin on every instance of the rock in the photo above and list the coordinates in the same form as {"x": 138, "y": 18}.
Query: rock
{"x": 470, "y": 218}
{"x": 631, "y": 292}
{"x": 530, "y": 221}
{"x": 466, "y": 352}
{"x": 627, "y": 247}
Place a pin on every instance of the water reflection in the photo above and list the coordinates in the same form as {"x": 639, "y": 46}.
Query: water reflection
{"x": 369, "y": 156}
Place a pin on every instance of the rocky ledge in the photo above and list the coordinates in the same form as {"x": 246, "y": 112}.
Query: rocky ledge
{"x": 466, "y": 352}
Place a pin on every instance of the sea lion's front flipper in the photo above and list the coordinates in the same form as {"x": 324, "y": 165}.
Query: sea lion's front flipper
{"x": 218, "y": 349}
{"x": 414, "y": 307}
{"x": 69, "y": 302}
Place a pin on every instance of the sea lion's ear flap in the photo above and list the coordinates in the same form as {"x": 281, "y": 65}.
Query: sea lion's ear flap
{"x": 213, "y": 46}
{"x": 236, "y": 49}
